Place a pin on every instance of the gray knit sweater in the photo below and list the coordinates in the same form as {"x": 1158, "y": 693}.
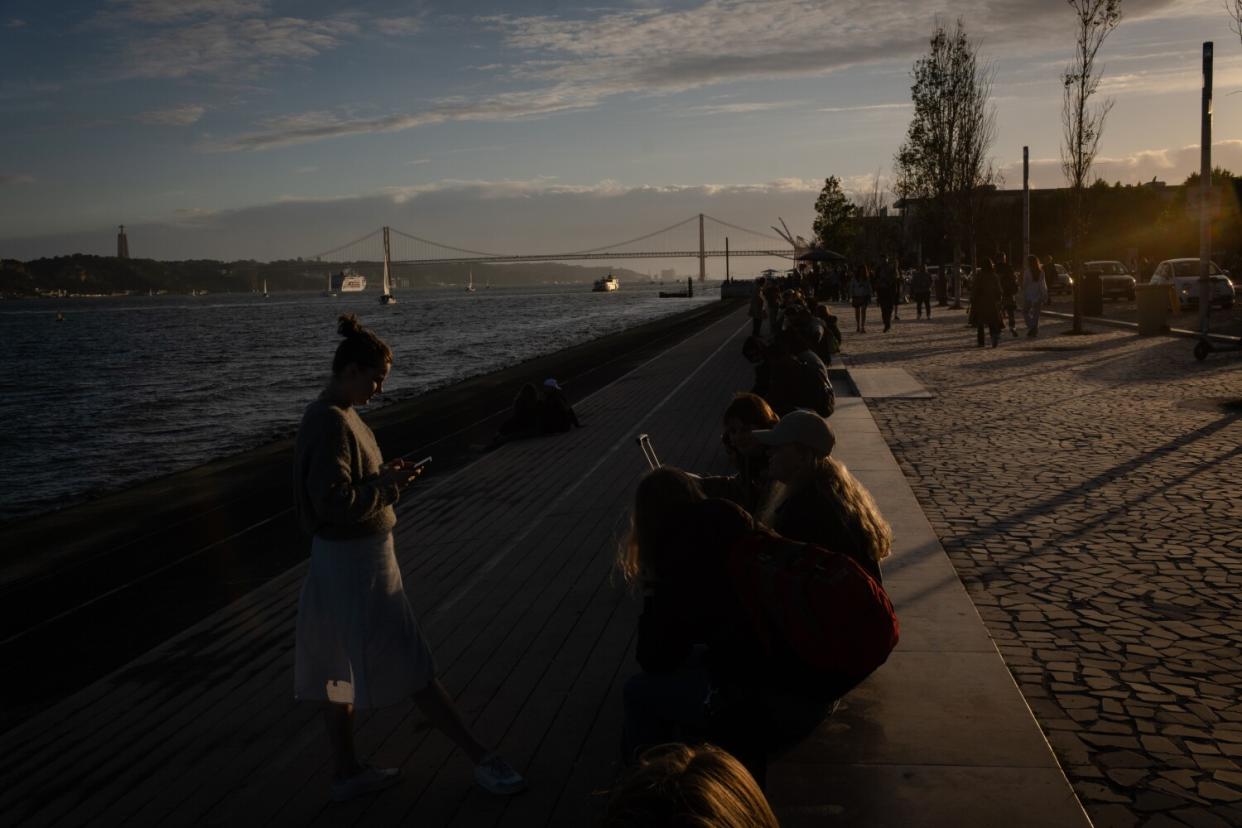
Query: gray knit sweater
{"x": 337, "y": 491}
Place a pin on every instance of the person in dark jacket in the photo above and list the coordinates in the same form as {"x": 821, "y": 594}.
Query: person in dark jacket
{"x": 815, "y": 499}
{"x": 886, "y": 290}
{"x": 748, "y": 488}
{"x": 707, "y": 673}
{"x": 920, "y": 290}
{"x": 985, "y": 303}
{"x": 556, "y": 415}
{"x": 1009, "y": 291}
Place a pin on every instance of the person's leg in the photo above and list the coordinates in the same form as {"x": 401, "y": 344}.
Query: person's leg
{"x": 858, "y": 319}
{"x": 886, "y": 314}
{"x": 995, "y": 328}
{"x": 979, "y": 334}
{"x": 864, "y": 318}
{"x": 338, "y": 720}
{"x": 1035, "y": 309}
{"x": 439, "y": 709}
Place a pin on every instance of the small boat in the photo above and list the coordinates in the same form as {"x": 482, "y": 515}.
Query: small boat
{"x": 470, "y": 283}
{"x": 60, "y": 317}
{"x": 606, "y": 285}
{"x": 265, "y": 293}
{"x": 329, "y": 292}
{"x": 387, "y": 298}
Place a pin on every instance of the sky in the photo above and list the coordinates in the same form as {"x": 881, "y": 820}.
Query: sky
{"x": 269, "y": 129}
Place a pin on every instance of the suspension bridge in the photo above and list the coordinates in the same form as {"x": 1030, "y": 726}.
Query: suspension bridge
{"x": 395, "y": 247}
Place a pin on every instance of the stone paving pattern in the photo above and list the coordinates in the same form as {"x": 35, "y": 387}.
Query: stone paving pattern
{"x": 1089, "y": 492}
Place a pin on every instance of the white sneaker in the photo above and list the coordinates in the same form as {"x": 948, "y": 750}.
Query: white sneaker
{"x": 368, "y": 780}
{"x": 496, "y": 776}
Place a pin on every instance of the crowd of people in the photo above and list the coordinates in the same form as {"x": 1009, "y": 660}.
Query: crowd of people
{"x": 750, "y": 580}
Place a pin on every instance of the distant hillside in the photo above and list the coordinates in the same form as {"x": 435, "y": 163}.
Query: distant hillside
{"x": 108, "y": 274}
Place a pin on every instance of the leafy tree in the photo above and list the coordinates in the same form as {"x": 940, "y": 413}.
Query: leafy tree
{"x": 834, "y": 217}
{"x": 944, "y": 159}
{"x": 1081, "y": 120}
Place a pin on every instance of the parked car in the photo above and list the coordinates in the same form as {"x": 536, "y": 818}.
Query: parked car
{"x": 1116, "y": 280}
{"x": 1061, "y": 281}
{"x": 1183, "y": 275}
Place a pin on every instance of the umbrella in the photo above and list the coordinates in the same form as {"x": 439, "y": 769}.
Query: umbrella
{"x": 819, "y": 254}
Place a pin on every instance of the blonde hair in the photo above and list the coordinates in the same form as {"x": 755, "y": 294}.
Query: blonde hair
{"x": 688, "y": 787}
{"x": 856, "y": 506}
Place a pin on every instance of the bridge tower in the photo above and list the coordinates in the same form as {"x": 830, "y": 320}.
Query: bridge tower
{"x": 702, "y": 253}
{"x": 122, "y": 244}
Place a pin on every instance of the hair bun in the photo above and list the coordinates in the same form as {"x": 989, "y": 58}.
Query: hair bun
{"x": 348, "y": 325}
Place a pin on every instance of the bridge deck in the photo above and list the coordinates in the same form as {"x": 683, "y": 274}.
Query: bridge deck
{"x": 508, "y": 566}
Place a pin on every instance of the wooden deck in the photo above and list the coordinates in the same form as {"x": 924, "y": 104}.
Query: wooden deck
{"x": 508, "y": 564}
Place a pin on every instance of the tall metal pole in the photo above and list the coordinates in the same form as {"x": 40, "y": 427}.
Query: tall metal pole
{"x": 702, "y": 253}
{"x": 726, "y": 258}
{"x": 1026, "y": 204}
{"x": 1205, "y": 192}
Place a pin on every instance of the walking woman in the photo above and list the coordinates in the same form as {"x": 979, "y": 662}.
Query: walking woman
{"x": 358, "y": 644}
{"x": 1034, "y": 294}
{"x": 985, "y": 303}
{"x": 860, "y": 296}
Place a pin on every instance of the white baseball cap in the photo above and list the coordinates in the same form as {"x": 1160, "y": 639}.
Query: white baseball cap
{"x": 802, "y": 427}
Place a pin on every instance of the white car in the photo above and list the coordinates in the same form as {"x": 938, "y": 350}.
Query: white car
{"x": 1183, "y": 275}
{"x": 1116, "y": 280}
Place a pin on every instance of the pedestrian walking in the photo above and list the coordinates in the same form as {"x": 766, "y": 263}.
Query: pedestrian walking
{"x": 772, "y": 300}
{"x": 860, "y": 297}
{"x": 358, "y": 645}
{"x": 920, "y": 289}
{"x": 756, "y": 308}
{"x": 1034, "y": 294}
{"x": 985, "y": 303}
{"x": 1009, "y": 291}
{"x": 886, "y": 291}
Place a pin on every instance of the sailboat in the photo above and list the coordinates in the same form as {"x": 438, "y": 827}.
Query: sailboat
{"x": 470, "y": 283}
{"x": 265, "y": 293}
{"x": 387, "y": 298}
{"x": 329, "y": 292}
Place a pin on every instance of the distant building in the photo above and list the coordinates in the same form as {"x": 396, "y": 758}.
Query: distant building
{"x": 122, "y": 244}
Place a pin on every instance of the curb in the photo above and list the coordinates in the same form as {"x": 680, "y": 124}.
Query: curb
{"x": 1182, "y": 332}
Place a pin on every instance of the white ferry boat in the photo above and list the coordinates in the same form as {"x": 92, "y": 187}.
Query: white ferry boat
{"x": 348, "y": 281}
{"x": 608, "y": 283}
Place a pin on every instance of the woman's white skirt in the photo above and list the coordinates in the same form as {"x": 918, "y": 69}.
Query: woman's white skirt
{"x": 357, "y": 640}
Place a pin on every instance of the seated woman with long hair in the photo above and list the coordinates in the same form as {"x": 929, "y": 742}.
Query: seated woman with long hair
{"x": 713, "y": 669}
{"x": 815, "y": 499}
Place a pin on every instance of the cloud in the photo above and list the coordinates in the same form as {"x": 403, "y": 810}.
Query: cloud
{"x": 398, "y": 26}
{"x": 740, "y": 107}
{"x": 177, "y": 116}
{"x": 417, "y": 161}
{"x": 535, "y": 215}
{"x": 176, "y": 11}
{"x": 15, "y": 23}
{"x": 569, "y": 63}
{"x": 865, "y": 108}
{"x": 1170, "y": 165}
{"x": 220, "y": 39}
{"x": 8, "y": 178}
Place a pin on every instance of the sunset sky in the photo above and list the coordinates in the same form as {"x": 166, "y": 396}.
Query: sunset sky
{"x": 269, "y": 129}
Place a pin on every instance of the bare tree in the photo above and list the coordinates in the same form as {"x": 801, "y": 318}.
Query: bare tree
{"x": 943, "y": 162}
{"x": 1083, "y": 121}
{"x": 1234, "y": 7}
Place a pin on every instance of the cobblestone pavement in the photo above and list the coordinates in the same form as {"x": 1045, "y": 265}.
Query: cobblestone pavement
{"x": 1089, "y": 492}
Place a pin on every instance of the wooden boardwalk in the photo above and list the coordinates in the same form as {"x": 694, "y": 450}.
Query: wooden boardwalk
{"x": 508, "y": 564}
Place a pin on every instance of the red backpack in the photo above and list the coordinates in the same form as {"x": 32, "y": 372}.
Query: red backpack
{"x": 822, "y": 604}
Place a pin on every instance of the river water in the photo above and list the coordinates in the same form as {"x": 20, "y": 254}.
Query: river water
{"x": 130, "y": 388}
